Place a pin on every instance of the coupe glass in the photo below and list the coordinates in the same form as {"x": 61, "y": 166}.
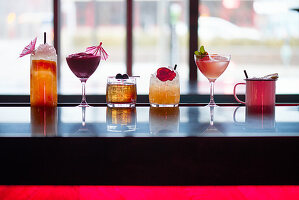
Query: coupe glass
{"x": 212, "y": 66}
{"x": 83, "y": 65}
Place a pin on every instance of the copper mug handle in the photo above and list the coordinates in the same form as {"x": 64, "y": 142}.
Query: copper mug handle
{"x": 235, "y": 95}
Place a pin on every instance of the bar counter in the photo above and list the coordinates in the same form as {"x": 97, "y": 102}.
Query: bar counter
{"x": 187, "y": 145}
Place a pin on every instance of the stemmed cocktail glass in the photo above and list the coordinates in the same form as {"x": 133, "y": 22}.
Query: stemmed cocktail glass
{"x": 84, "y": 64}
{"x": 211, "y": 66}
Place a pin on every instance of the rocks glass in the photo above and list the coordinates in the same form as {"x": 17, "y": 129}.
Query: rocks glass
{"x": 164, "y": 88}
{"x": 121, "y": 92}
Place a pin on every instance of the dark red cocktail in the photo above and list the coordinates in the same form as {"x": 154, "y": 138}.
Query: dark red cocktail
{"x": 83, "y": 65}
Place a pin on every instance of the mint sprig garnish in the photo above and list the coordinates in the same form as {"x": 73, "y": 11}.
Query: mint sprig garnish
{"x": 202, "y": 52}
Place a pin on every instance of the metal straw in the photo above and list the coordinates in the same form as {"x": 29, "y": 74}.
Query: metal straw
{"x": 45, "y": 37}
{"x": 245, "y": 74}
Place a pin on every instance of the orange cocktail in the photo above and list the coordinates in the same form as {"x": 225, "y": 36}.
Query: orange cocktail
{"x": 164, "y": 88}
{"x": 121, "y": 92}
{"x": 43, "y": 77}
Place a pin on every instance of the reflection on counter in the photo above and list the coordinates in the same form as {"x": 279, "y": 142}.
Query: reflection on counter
{"x": 211, "y": 130}
{"x": 258, "y": 118}
{"x": 83, "y": 129}
{"x": 43, "y": 121}
{"x": 185, "y": 121}
{"x": 121, "y": 119}
{"x": 164, "y": 120}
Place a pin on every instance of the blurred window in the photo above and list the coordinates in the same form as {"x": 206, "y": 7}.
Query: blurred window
{"x": 262, "y": 36}
{"x": 86, "y": 23}
{"x": 160, "y": 35}
{"x": 20, "y": 22}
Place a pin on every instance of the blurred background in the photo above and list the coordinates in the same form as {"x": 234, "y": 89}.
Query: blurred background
{"x": 262, "y": 36}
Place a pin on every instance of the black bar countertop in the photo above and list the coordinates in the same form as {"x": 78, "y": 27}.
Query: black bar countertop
{"x": 187, "y": 145}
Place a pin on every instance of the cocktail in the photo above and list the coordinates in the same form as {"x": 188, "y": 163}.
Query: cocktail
{"x": 164, "y": 88}
{"x": 211, "y": 66}
{"x": 43, "y": 73}
{"x": 121, "y": 91}
{"x": 84, "y": 64}
{"x": 43, "y": 76}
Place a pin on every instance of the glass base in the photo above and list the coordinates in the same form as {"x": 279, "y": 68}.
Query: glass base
{"x": 164, "y": 105}
{"x": 121, "y": 128}
{"x": 121, "y": 105}
{"x": 211, "y": 105}
{"x": 83, "y": 105}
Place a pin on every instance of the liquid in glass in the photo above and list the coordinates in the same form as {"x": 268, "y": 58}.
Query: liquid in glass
{"x": 164, "y": 92}
{"x": 211, "y": 66}
{"x": 43, "y": 76}
{"x": 83, "y": 65}
{"x": 121, "y": 92}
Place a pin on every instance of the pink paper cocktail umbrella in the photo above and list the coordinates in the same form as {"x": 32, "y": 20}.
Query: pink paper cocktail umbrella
{"x": 29, "y": 48}
{"x": 97, "y": 50}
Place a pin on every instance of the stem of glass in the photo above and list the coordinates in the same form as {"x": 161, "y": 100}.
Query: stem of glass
{"x": 83, "y": 101}
{"x": 212, "y": 102}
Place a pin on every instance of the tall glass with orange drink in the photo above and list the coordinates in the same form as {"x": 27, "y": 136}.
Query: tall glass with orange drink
{"x": 43, "y": 76}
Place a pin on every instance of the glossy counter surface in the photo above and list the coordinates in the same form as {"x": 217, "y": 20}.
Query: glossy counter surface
{"x": 188, "y": 145}
{"x": 184, "y": 121}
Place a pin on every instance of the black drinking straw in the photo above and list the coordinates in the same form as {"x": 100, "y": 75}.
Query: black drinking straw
{"x": 245, "y": 74}
{"x": 175, "y": 66}
{"x": 45, "y": 37}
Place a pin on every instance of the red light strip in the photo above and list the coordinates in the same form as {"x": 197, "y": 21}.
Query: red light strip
{"x": 149, "y": 192}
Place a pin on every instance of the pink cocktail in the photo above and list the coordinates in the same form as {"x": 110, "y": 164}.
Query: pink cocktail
{"x": 211, "y": 66}
{"x": 83, "y": 65}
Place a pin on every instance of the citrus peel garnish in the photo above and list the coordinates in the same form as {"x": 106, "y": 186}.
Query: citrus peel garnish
{"x": 271, "y": 76}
